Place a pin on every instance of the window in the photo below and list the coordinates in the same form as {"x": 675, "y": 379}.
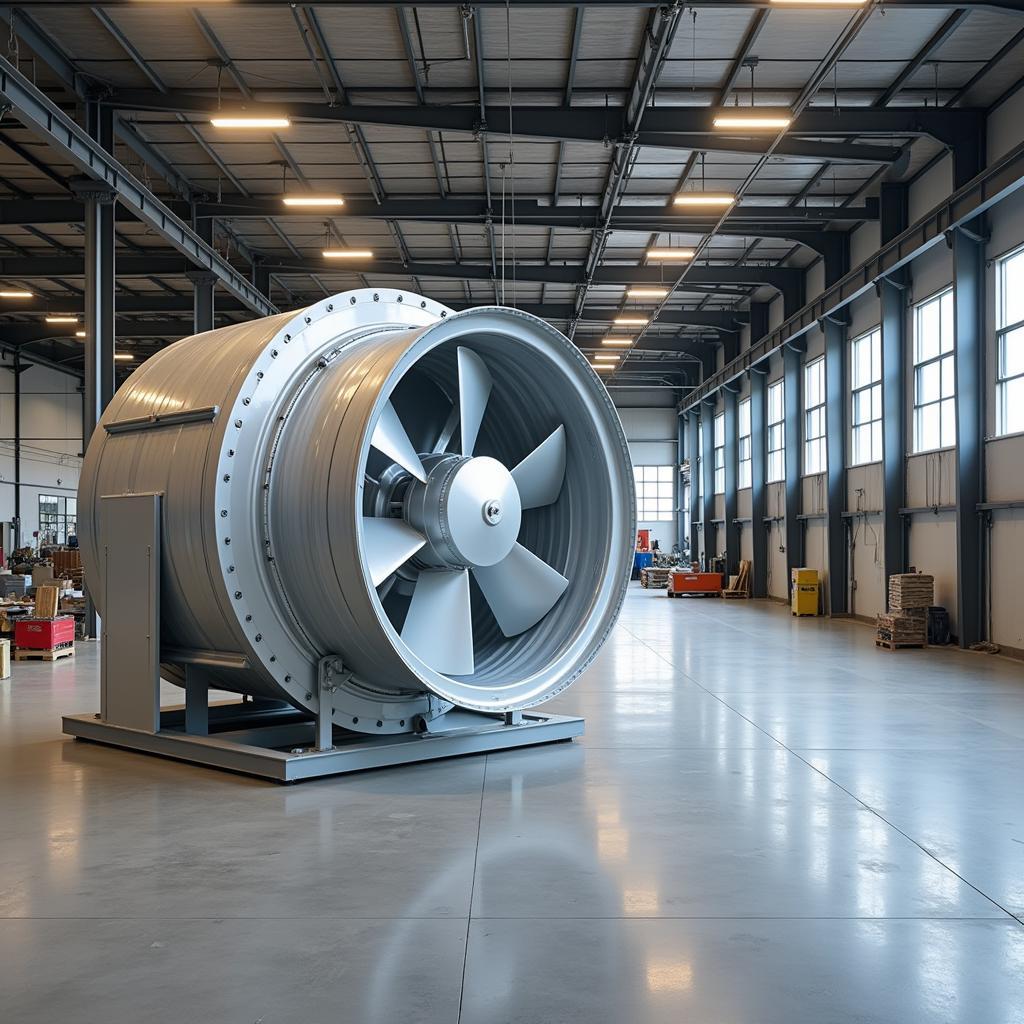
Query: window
{"x": 1010, "y": 343}
{"x": 720, "y": 453}
{"x": 743, "y": 416}
{"x": 866, "y": 408}
{"x": 814, "y": 417}
{"x": 700, "y": 460}
{"x": 58, "y": 517}
{"x": 934, "y": 379}
{"x": 654, "y": 493}
{"x": 776, "y": 432}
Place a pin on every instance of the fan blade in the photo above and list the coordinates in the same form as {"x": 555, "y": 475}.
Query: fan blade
{"x": 388, "y": 543}
{"x": 439, "y": 625}
{"x": 474, "y": 389}
{"x": 539, "y": 476}
{"x": 521, "y": 589}
{"x": 389, "y": 437}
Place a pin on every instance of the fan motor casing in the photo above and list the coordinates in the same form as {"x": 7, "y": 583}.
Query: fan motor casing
{"x": 263, "y": 572}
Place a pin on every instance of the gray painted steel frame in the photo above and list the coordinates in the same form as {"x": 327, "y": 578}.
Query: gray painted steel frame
{"x": 46, "y": 119}
{"x": 793, "y": 371}
{"x": 892, "y": 293}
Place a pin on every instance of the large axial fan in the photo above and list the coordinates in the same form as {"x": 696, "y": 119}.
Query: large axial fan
{"x": 460, "y": 514}
{"x": 443, "y": 501}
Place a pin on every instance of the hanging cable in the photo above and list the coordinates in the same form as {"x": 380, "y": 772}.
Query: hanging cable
{"x": 511, "y": 144}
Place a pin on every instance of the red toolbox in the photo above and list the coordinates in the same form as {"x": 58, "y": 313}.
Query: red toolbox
{"x": 682, "y": 584}
{"x": 44, "y": 634}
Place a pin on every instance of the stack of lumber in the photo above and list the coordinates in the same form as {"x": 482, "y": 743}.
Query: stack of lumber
{"x": 906, "y": 624}
{"x": 911, "y": 591}
{"x": 741, "y": 588}
{"x": 654, "y": 577}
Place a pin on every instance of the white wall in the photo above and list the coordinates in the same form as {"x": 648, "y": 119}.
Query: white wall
{"x": 652, "y": 434}
{"x": 51, "y": 429}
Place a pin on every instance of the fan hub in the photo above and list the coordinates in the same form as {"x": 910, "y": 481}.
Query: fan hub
{"x": 468, "y": 509}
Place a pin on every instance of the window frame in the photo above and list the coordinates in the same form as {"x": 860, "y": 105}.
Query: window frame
{"x": 719, "y": 453}
{"x": 744, "y": 449}
{"x": 875, "y": 398}
{"x": 58, "y": 524}
{"x": 1003, "y": 331}
{"x": 657, "y": 476}
{"x": 814, "y": 447}
{"x": 776, "y": 456}
{"x": 940, "y": 360}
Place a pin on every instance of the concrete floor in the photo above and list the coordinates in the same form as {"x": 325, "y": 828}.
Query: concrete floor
{"x": 767, "y": 821}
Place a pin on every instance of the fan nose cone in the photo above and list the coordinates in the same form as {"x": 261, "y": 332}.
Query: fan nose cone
{"x": 482, "y": 511}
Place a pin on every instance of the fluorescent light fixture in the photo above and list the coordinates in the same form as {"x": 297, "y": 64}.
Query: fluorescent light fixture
{"x": 123, "y": 357}
{"x": 15, "y": 293}
{"x": 605, "y": 357}
{"x": 80, "y": 334}
{"x": 617, "y": 342}
{"x": 314, "y": 201}
{"x": 603, "y": 366}
{"x": 756, "y": 118}
{"x": 819, "y": 3}
{"x": 631, "y": 321}
{"x": 704, "y": 199}
{"x": 62, "y": 319}
{"x": 241, "y": 121}
{"x": 668, "y": 253}
{"x": 348, "y": 254}
{"x": 646, "y": 293}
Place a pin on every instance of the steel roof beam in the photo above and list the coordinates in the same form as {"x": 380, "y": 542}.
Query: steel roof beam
{"x": 609, "y": 274}
{"x": 679, "y": 127}
{"x": 996, "y": 5}
{"x": 73, "y": 143}
{"x": 977, "y": 196}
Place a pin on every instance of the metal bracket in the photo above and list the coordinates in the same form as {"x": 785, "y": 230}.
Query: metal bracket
{"x": 86, "y": 190}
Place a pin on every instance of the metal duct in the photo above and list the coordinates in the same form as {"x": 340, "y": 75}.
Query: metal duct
{"x": 443, "y": 500}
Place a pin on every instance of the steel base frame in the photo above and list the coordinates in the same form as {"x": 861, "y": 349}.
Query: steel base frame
{"x": 269, "y": 739}
{"x": 279, "y": 743}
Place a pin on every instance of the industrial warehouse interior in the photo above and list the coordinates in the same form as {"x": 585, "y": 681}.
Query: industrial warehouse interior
{"x": 512, "y": 512}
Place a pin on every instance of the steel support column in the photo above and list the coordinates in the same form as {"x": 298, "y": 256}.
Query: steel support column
{"x": 693, "y": 452}
{"x": 793, "y": 369}
{"x": 732, "y": 529}
{"x": 17, "y": 451}
{"x": 707, "y": 465}
{"x": 892, "y": 293}
{"x": 758, "y": 473}
{"x": 968, "y": 243}
{"x": 99, "y": 295}
{"x": 969, "y": 298}
{"x": 682, "y": 453}
{"x": 758, "y": 321}
{"x": 203, "y": 282}
{"x": 837, "y": 265}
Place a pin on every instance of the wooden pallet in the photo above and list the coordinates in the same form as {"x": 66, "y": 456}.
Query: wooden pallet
{"x": 891, "y": 645}
{"x": 693, "y": 593}
{"x": 742, "y": 588}
{"x": 44, "y": 653}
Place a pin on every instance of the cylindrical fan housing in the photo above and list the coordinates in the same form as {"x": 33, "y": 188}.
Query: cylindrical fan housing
{"x": 442, "y": 500}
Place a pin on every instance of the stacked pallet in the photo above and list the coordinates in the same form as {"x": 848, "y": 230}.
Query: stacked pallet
{"x": 906, "y": 624}
{"x": 911, "y": 591}
{"x": 654, "y": 577}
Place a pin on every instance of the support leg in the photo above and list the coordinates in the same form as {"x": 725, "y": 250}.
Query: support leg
{"x": 197, "y": 701}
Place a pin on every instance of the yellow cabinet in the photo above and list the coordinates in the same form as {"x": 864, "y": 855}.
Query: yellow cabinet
{"x": 804, "y": 591}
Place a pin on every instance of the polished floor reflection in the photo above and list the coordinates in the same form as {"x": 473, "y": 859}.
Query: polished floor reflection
{"x": 768, "y": 820}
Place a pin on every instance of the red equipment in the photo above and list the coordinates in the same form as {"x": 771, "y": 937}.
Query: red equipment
{"x": 682, "y": 583}
{"x": 44, "y": 634}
